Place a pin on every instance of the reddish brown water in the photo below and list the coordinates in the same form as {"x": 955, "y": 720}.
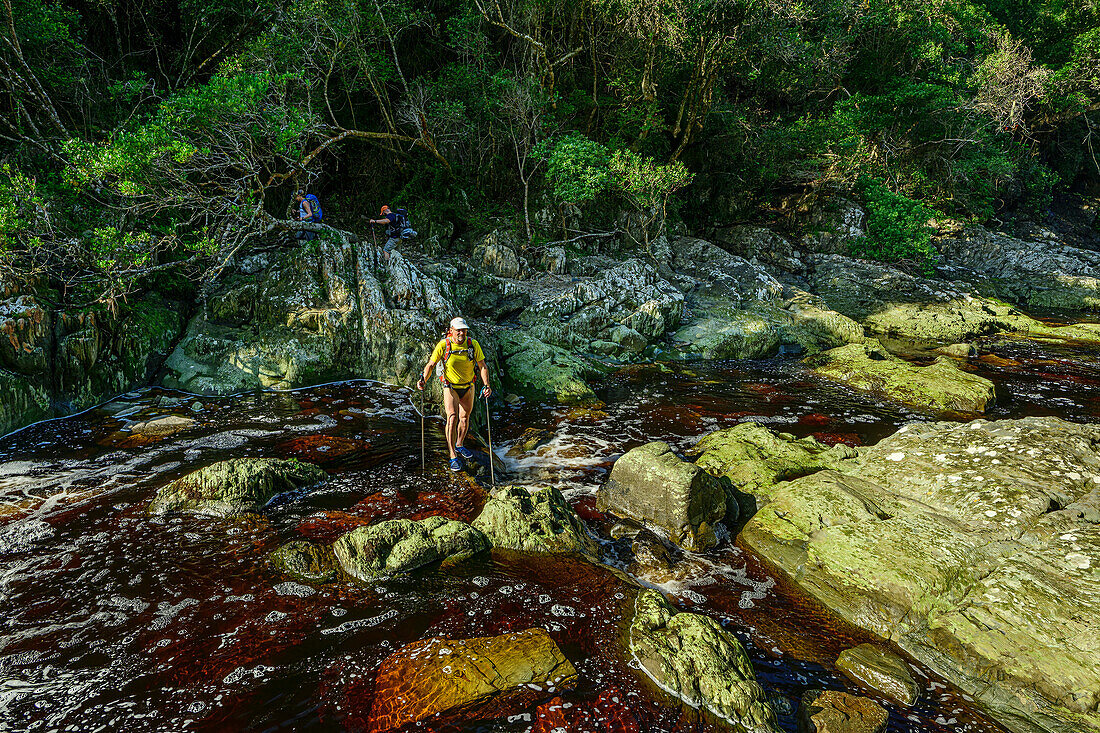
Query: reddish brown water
{"x": 109, "y": 619}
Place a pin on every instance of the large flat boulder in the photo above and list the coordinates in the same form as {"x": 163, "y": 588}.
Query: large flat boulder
{"x": 534, "y": 367}
{"x": 399, "y": 545}
{"x": 652, "y": 484}
{"x": 236, "y": 486}
{"x": 880, "y": 670}
{"x": 694, "y": 658}
{"x": 533, "y": 521}
{"x": 939, "y": 387}
{"x": 459, "y": 680}
{"x": 974, "y": 547}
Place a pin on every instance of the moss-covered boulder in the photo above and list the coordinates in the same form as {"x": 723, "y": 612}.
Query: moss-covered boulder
{"x": 755, "y": 458}
{"x": 235, "y": 486}
{"x": 939, "y": 387}
{"x": 974, "y": 547}
{"x": 652, "y": 484}
{"x": 400, "y": 545}
{"x": 833, "y": 711}
{"x": 694, "y": 658}
{"x": 537, "y": 368}
{"x": 306, "y": 561}
{"x": 533, "y": 521}
{"x": 725, "y": 333}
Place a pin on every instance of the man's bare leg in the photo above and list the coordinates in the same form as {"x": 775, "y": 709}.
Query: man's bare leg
{"x": 451, "y": 405}
{"x": 465, "y": 408}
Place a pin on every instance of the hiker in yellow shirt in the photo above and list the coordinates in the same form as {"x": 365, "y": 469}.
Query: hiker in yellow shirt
{"x": 455, "y": 358}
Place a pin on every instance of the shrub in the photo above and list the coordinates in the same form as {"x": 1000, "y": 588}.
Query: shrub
{"x": 897, "y": 227}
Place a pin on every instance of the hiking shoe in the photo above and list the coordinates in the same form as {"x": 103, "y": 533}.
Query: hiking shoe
{"x": 456, "y": 464}
{"x": 464, "y": 451}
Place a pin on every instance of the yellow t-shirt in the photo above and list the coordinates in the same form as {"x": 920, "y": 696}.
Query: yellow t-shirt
{"x": 460, "y": 368}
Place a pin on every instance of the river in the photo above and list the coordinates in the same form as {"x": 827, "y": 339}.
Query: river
{"x": 111, "y": 619}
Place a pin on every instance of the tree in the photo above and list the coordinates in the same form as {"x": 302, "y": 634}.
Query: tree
{"x": 647, "y": 185}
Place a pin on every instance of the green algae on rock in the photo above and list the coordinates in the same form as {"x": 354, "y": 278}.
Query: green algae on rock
{"x": 306, "y": 561}
{"x": 692, "y": 657}
{"x": 533, "y": 521}
{"x": 400, "y": 545}
{"x": 974, "y": 547}
{"x": 755, "y": 458}
{"x": 940, "y": 387}
{"x": 880, "y": 670}
{"x": 235, "y": 486}
{"x": 652, "y": 484}
{"x": 533, "y": 366}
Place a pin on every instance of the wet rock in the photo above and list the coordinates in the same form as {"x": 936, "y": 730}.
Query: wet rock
{"x": 1040, "y": 273}
{"x": 809, "y": 322}
{"x": 652, "y": 559}
{"x": 941, "y": 386}
{"x": 306, "y": 561}
{"x": 958, "y": 351}
{"x": 161, "y": 427}
{"x": 400, "y": 545}
{"x": 533, "y": 521}
{"x": 468, "y": 679}
{"x": 651, "y": 484}
{"x": 970, "y": 546}
{"x": 755, "y": 458}
{"x": 535, "y": 367}
{"x": 235, "y": 486}
{"x": 833, "y": 711}
{"x": 20, "y": 402}
{"x": 880, "y": 670}
{"x": 694, "y": 658}
{"x": 529, "y": 440}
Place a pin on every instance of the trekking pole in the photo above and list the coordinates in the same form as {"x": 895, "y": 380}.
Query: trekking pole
{"x": 489, "y": 430}
{"x": 423, "y": 465}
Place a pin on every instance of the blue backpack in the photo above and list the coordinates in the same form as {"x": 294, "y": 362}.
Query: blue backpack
{"x": 402, "y": 225}
{"x": 315, "y": 206}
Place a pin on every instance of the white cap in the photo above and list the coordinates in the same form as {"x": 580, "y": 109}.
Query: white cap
{"x": 459, "y": 324}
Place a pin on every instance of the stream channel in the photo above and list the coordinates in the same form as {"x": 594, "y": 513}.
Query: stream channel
{"x": 110, "y": 619}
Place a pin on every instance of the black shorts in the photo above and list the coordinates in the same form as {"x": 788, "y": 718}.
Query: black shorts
{"x": 461, "y": 389}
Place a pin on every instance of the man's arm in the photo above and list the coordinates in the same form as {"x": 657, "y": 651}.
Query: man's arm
{"x": 484, "y": 368}
{"x": 427, "y": 373}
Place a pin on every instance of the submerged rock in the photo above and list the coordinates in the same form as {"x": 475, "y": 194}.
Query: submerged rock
{"x": 235, "y": 486}
{"x": 533, "y": 521}
{"x": 880, "y": 670}
{"x": 400, "y": 545}
{"x": 468, "y": 679}
{"x": 694, "y": 658}
{"x": 305, "y": 561}
{"x": 941, "y": 386}
{"x": 974, "y": 547}
{"x": 833, "y": 711}
{"x": 652, "y": 484}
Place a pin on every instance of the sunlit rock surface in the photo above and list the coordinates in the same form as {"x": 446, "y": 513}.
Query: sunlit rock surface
{"x": 468, "y": 679}
{"x": 400, "y": 545}
{"x": 538, "y": 520}
{"x": 974, "y": 546}
{"x": 694, "y": 658}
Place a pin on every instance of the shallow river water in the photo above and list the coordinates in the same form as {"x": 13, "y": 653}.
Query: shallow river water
{"x": 110, "y": 619}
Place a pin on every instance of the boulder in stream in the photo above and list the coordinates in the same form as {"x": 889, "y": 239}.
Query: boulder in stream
{"x": 833, "y": 711}
{"x": 235, "y": 486}
{"x": 940, "y": 387}
{"x": 974, "y": 547}
{"x": 400, "y": 545}
{"x": 467, "y": 679}
{"x": 652, "y": 484}
{"x": 694, "y": 658}
{"x": 306, "y": 561}
{"x": 533, "y": 521}
{"x": 532, "y": 366}
{"x": 880, "y": 670}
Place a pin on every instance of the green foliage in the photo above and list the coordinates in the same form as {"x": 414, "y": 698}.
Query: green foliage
{"x": 576, "y": 167}
{"x": 897, "y": 228}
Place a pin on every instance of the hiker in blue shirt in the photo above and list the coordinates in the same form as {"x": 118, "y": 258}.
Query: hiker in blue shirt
{"x": 309, "y": 209}
{"x": 397, "y": 228}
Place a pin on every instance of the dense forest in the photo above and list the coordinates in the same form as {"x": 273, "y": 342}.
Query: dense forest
{"x": 144, "y": 143}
